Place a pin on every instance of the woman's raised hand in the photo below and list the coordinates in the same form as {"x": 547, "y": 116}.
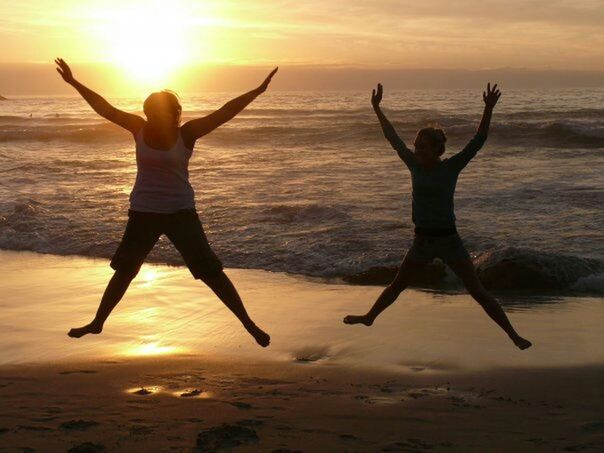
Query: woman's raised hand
{"x": 376, "y": 96}
{"x": 64, "y": 70}
{"x": 262, "y": 88}
{"x": 491, "y": 96}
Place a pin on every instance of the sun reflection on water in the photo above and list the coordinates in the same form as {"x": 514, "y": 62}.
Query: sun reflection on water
{"x": 146, "y": 390}
{"x": 152, "y": 348}
{"x": 193, "y": 393}
{"x": 148, "y": 276}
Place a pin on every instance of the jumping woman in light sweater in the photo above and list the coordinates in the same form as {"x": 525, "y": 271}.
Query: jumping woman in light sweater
{"x": 433, "y": 181}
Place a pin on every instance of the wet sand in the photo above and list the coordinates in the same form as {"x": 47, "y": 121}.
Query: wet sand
{"x": 174, "y": 371}
{"x": 188, "y": 403}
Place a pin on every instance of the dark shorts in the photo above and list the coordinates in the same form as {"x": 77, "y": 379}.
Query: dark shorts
{"x": 184, "y": 230}
{"x": 447, "y": 248}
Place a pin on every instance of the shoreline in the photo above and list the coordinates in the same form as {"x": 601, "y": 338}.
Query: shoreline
{"x": 165, "y": 312}
{"x": 435, "y": 279}
{"x": 180, "y": 404}
{"x": 174, "y": 371}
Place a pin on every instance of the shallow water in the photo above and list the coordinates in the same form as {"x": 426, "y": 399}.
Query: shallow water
{"x": 167, "y": 312}
{"x": 305, "y": 183}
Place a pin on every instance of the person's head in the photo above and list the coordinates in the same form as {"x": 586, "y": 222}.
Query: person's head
{"x": 163, "y": 107}
{"x": 430, "y": 144}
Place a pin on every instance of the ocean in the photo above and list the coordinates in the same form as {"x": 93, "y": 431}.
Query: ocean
{"x": 304, "y": 183}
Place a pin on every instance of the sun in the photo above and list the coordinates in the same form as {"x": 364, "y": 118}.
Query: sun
{"x": 148, "y": 40}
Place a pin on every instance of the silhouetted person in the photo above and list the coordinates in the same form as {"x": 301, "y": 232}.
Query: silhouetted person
{"x": 433, "y": 181}
{"x": 162, "y": 199}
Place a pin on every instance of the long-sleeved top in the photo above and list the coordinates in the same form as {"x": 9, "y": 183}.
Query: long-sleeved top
{"x": 433, "y": 190}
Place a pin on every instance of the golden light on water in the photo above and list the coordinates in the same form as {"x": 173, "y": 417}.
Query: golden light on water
{"x": 154, "y": 348}
{"x": 193, "y": 393}
{"x": 148, "y": 276}
{"x": 146, "y": 390}
{"x": 188, "y": 393}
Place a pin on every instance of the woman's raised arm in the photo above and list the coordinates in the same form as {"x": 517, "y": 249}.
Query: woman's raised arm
{"x": 128, "y": 121}
{"x": 396, "y": 142}
{"x": 199, "y": 127}
{"x": 490, "y": 98}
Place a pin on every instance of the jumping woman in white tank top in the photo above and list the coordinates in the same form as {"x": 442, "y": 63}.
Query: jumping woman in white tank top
{"x": 162, "y": 178}
{"x": 162, "y": 200}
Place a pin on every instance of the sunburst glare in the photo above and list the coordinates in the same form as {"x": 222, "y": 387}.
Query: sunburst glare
{"x": 153, "y": 348}
{"x": 148, "y": 276}
{"x": 148, "y": 39}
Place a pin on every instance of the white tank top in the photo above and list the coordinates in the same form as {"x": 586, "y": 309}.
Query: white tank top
{"x": 162, "y": 179}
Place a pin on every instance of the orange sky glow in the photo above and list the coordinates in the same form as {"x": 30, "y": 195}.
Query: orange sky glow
{"x": 155, "y": 41}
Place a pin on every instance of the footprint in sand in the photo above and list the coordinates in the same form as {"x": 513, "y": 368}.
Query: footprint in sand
{"x": 311, "y": 354}
{"x": 34, "y": 428}
{"x": 264, "y": 381}
{"x": 78, "y": 371}
{"x": 52, "y": 410}
{"x": 250, "y": 422}
{"x": 191, "y": 393}
{"x": 193, "y": 419}
{"x": 48, "y": 418}
{"x": 412, "y": 444}
{"x": 381, "y": 400}
{"x": 240, "y": 405}
{"x": 144, "y": 391}
{"x": 141, "y": 430}
{"x": 225, "y": 437}
{"x": 348, "y": 436}
{"x": 88, "y": 447}
{"x": 78, "y": 425}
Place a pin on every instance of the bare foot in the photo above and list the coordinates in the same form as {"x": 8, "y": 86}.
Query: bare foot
{"x": 81, "y": 331}
{"x": 353, "y": 319}
{"x": 261, "y": 337}
{"x": 522, "y": 343}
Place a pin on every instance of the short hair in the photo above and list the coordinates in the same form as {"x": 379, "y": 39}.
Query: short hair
{"x": 436, "y": 135}
{"x": 163, "y": 100}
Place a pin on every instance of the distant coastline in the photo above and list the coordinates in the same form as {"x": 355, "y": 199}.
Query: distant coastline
{"x": 38, "y": 78}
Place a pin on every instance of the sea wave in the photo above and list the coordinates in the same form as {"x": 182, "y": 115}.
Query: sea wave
{"x": 27, "y": 225}
{"x": 337, "y": 130}
{"x": 305, "y": 183}
{"x": 509, "y": 269}
{"x": 82, "y": 133}
{"x": 307, "y": 212}
{"x": 336, "y": 112}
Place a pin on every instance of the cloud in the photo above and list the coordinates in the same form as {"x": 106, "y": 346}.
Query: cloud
{"x": 404, "y": 33}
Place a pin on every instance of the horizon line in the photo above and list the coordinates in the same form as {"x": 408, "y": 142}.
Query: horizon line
{"x": 349, "y": 66}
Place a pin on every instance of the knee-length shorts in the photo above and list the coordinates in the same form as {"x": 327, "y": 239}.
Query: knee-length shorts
{"x": 447, "y": 248}
{"x": 184, "y": 230}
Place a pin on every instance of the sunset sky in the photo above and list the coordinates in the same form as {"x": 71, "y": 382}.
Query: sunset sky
{"x": 468, "y": 34}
